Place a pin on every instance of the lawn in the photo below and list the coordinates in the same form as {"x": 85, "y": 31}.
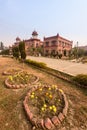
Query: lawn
{"x": 12, "y": 114}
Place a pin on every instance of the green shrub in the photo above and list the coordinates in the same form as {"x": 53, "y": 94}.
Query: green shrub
{"x": 81, "y": 79}
{"x": 35, "y": 63}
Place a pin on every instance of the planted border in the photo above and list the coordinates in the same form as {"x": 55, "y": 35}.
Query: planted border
{"x": 20, "y": 85}
{"x": 45, "y": 123}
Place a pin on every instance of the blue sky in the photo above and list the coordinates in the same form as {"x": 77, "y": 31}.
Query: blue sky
{"x": 47, "y": 17}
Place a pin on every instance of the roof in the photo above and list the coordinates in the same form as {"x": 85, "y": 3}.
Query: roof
{"x": 31, "y": 39}
{"x": 56, "y": 36}
{"x": 18, "y": 39}
{"x": 34, "y": 33}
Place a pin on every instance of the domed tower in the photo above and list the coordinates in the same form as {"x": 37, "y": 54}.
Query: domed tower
{"x": 34, "y": 34}
{"x": 18, "y": 39}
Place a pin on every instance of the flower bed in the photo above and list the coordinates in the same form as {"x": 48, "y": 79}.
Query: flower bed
{"x": 11, "y": 71}
{"x": 46, "y": 106}
{"x": 20, "y": 80}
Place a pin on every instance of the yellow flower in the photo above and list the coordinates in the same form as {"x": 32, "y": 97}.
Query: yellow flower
{"x": 33, "y": 93}
{"x": 47, "y": 94}
{"x": 11, "y": 78}
{"x": 40, "y": 89}
{"x": 50, "y": 96}
{"x": 42, "y": 108}
{"x": 54, "y": 109}
{"x": 45, "y": 105}
{"x": 50, "y": 107}
{"x": 54, "y": 86}
{"x": 61, "y": 90}
{"x": 49, "y": 88}
{"x": 53, "y": 106}
{"x": 32, "y": 96}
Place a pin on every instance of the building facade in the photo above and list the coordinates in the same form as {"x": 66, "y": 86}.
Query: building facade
{"x": 31, "y": 44}
{"x": 50, "y": 45}
{"x": 57, "y": 45}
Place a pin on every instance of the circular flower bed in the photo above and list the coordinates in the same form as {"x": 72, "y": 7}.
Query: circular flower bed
{"x": 46, "y": 106}
{"x": 20, "y": 80}
{"x": 11, "y": 71}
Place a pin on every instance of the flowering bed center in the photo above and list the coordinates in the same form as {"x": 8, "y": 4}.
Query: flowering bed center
{"x": 46, "y": 101}
{"x": 21, "y": 78}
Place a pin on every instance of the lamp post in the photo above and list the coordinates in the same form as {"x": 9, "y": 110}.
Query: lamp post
{"x": 77, "y": 49}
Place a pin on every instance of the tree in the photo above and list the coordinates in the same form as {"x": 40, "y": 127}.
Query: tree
{"x": 22, "y": 50}
{"x": 5, "y": 52}
{"x": 21, "y": 46}
{"x": 23, "y": 55}
{"x": 15, "y": 51}
{"x": 80, "y": 52}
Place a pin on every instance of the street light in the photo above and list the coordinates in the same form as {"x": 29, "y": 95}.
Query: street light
{"x": 77, "y": 49}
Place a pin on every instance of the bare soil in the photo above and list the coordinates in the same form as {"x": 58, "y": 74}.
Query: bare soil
{"x": 12, "y": 114}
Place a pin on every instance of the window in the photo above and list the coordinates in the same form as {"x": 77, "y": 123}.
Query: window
{"x": 54, "y": 42}
{"x": 47, "y": 43}
{"x": 36, "y": 44}
{"x": 47, "y": 51}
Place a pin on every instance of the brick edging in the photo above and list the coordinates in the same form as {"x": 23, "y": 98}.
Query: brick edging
{"x": 20, "y": 85}
{"x": 45, "y": 123}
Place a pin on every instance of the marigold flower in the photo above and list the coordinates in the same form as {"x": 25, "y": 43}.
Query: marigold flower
{"x": 50, "y": 96}
{"x": 50, "y": 107}
{"x": 49, "y": 88}
{"x": 54, "y": 109}
{"x": 32, "y": 96}
{"x": 53, "y": 106}
{"x": 45, "y": 105}
{"x": 33, "y": 93}
{"x": 46, "y": 93}
{"x": 40, "y": 89}
{"x": 61, "y": 90}
{"x": 54, "y": 86}
{"x": 11, "y": 78}
{"x": 42, "y": 108}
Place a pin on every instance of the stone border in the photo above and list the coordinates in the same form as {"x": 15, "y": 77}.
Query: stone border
{"x": 7, "y": 73}
{"x": 45, "y": 123}
{"x": 21, "y": 85}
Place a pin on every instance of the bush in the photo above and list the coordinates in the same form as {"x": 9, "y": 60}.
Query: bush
{"x": 81, "y": 79}
{"x": 35, "y": 63}
{"x": 60, "y": 56}
{"x": 23, "y": 54}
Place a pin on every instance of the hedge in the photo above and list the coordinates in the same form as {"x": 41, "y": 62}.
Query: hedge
{"x": 35, "y": 63}
{"x": 81, "y": 79}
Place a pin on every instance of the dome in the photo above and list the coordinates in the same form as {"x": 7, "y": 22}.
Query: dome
{"x": 18, "y": 39}
{"x": 34, "y": 33}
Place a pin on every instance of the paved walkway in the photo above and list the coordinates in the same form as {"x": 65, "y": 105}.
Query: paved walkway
{"x": 62, "y": 65}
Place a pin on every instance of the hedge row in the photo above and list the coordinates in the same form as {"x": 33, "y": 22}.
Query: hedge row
{"x": 81, "y": 79}
{"x": 35, "y": 63}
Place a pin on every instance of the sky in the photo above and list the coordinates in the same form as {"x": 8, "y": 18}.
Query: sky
{"x": 48, "y": 17}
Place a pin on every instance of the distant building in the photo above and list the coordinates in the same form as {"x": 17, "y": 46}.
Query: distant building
{"x": 57, "y": 44}
{"x": 54, "y": 44}
{"x": 18, "y": 40}
{"x": 83, "y": 48}
{"x": 32, "y": 43}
